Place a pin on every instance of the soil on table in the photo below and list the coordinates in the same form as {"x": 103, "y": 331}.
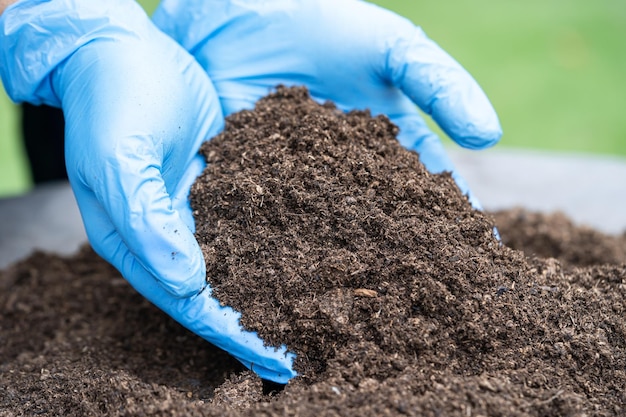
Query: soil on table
{"x": 331, "y": 238}
{"x": 554, "y": 235}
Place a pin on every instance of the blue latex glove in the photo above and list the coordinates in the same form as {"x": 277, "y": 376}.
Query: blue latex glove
{"x": 351, "y": 52}
{"x": 137, "y": 108}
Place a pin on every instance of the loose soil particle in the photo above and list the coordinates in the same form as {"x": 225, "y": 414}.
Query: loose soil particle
{"x": 331, "y": 238}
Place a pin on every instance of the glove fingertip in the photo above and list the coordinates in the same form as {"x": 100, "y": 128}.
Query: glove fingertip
{"x": 480, "y": 138}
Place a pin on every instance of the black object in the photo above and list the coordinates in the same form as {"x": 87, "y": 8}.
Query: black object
{"x": 272, "y": 388}
{"x": 43, "y": 132}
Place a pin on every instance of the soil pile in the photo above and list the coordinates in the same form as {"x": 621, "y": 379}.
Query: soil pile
{"x": 324, "y": 232}
{"x": 553, "y": 235}
{"x": 331, "y": 238}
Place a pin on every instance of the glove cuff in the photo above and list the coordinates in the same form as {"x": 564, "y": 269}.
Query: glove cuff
{"x": 36, "y": 36}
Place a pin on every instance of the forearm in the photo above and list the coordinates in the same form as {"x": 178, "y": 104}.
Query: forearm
{"x": 4, "y": 4}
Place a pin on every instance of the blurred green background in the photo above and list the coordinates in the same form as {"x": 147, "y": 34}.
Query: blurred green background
{"x": 555, "y": 70}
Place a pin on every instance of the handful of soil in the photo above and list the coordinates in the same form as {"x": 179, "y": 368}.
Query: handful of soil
{"x": 324, "y": 232}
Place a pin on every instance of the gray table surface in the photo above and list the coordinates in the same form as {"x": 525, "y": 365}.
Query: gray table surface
{"x": 591, "y": 190}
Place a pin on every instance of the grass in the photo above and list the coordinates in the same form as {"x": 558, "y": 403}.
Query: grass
{"x": 553, "y": 69}
{"x": 14, "y": 175}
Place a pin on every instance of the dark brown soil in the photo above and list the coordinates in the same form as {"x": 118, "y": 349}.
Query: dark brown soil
{"x": 553, "y": 235}
{"x": 331, "y": 238}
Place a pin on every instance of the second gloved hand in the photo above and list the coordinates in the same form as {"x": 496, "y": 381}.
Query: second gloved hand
{"x": 137, "y": 108}
{"x": 348, "y": 51}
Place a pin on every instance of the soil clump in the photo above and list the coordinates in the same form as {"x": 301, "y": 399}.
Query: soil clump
{"x": 331, "y": 238}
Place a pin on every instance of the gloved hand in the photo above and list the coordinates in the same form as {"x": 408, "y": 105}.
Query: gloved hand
{"x": 351, "y": 52}
{"x": 137, "y": 108}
